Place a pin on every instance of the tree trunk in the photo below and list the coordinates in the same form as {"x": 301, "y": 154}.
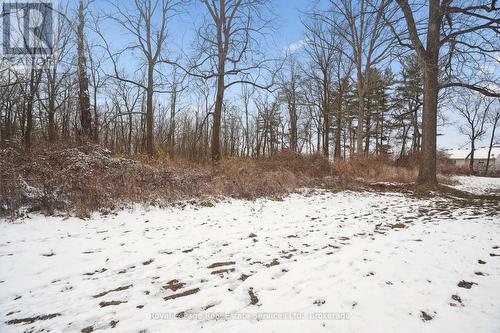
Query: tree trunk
{"x": 495, "y": 123}
{"x": 361, "y": 115}
{"x": 427, "y": 167}
{"x": 149, "y": 112}
{"x": 326, "y": 116}
{"x": 51, "y": 127}
{"x": 368, "y": 128}
{"x": 338, "y": 133}
{"x": 96, "y": 118}
{"x": 29, "y": 124}
{"x": 217, "y": 116}
{"x": 83, "y": 82}
{"x": 29, "y": 106}
{"x": 293, "y": 129}
{"x": 173, "y": 107}
{"x": 472, "y": 151}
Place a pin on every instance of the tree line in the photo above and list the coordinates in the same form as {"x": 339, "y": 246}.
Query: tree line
{"x": 368, "y": 77}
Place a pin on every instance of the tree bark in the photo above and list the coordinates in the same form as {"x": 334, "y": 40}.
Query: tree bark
{"x": 326, "y": 115}
{"x": 149, "y": 112}
{"x": 427, "y": 167}
{"x": 361, "y": 115}
{"x": 83, "y": 82}
{"x": 217, "y": 115}
{"x": 472, "y": 151}
{"x": 495, "y": 123}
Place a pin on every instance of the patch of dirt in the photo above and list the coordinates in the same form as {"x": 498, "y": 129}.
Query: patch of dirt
{"x": 174, "y": 285}
{"x": 206, "y": 307}
{"x": 96, "y": 272}
{"x": 319, "y": 302}
{"x": 275, "y": 262}
{"x": 183, "y": 294}
{"x": 104, "y": 293}
{"x": 222, "y": 271}
{"x": 425, "y": 316}
{"x": 481, "y": 262}
{"x": 398, "y": 226}
{"x": 88, "y": 329}
{"x": 457, "y": 299}
{"x": 113, "y": 323}
{"x": 31, "y": 320}
{"x": 243, "y": 277}
{"x": 104, "y": 304}
{"x": 253, "y": 298}
{"x": 465, "y": 284}
{"x": 220, "y": 264}
{"x": 148, "y": 262}
{"x": 11, "y": 313}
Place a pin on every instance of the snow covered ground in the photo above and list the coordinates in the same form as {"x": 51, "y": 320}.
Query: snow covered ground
{"x": 478, "y": 185}
{"x": 315, "y": 262}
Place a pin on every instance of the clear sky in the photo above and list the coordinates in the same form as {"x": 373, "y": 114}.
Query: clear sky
{"x": 288, "y": 34}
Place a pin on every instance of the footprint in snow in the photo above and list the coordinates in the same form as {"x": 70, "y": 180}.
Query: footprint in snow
{"x": 319, "y": 302}
{"x": 425, "y": 316}
{"x": 253, "y": 298}
{"x": 148, "y": 262}
{"x": 466, "y": 284}
{"x": 457, "y": 299}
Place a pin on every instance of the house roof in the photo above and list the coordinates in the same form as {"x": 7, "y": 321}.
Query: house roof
{"x": 480, "y": 153}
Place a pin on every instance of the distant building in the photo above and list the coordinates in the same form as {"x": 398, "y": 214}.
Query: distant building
{"x": 461, "y": 158}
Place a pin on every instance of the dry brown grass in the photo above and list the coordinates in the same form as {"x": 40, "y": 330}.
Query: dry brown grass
{"x": 374, "y": 169}
{"x": 85, "y": 179}
{"x": 80, "y": 180}
{"x": 280, "y": 174}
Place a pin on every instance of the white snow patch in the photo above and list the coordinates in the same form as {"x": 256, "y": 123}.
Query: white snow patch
{"x": 374, "y": 260}
{"x": 478, "y": 185}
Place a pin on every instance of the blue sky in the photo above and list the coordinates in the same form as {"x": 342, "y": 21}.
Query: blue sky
{"x": 288, "y": 33}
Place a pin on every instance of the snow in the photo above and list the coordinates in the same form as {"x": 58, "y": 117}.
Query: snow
{"x": 480, "y": 153}
{"x": 373, "y": 262}
{"x": 478, "y": 185}
{"x": 457, "y": 154}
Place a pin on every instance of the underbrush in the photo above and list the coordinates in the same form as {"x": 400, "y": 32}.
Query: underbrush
{"x": 374, "y": 169}
{"x": 86, "y": 179}
{"x": 80, "y": 180}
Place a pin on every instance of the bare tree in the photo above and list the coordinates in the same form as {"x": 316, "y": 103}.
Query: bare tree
{"x": 147, "y": 23}
{"x": 83, "y": 81}
{"x": 494, "y": 119}
{"x": 322, "y": 53}
{"x": 450, "y": 36}
{"x": 227, "y": 45}
{"x": 361, "y": 25}
{"x": 290, "y": 94}
{"x": 473, "y": 108}
{"x": 57, "y": 74}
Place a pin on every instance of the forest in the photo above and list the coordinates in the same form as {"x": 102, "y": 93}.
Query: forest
{"x": 249, "y": 166}
{"x": 370, "y": 77}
